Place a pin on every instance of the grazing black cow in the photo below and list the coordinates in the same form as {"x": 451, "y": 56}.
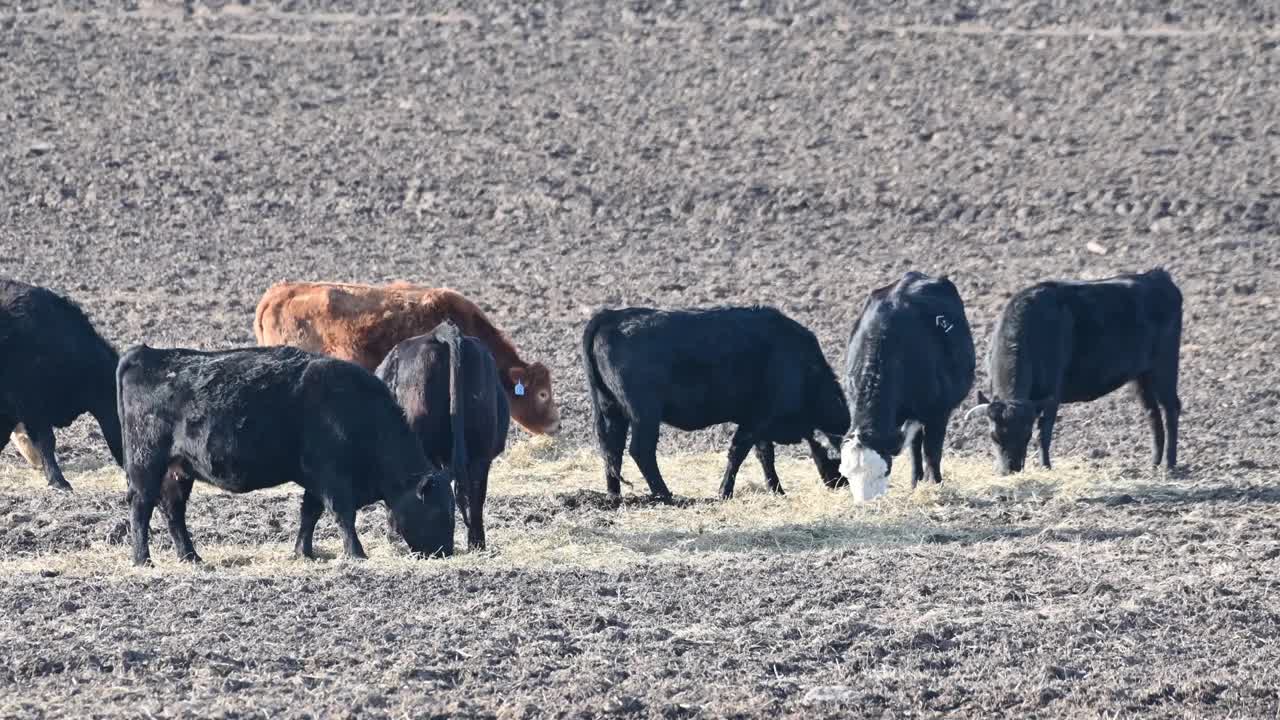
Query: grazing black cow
{"x": 453, "y": 396}
{"x": 249, "y": 419}
{"x": 910, "y": 364}
{"x": 1068, "y": 342}
{"x": 54, "y": 367}
{"x": 691, "y": 369}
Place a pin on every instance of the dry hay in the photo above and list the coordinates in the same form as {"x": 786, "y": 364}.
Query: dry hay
{"x": 552, "y": 514}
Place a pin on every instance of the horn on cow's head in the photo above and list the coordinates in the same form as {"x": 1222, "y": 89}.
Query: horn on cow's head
{"x": 975, "y": 410}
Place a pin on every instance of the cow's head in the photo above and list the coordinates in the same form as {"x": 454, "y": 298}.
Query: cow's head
{"x": 423, "y": 515}
{"x": 866, "y": 459}
{"x": 1011, "y": 425}
{"x": 532, "y": 403}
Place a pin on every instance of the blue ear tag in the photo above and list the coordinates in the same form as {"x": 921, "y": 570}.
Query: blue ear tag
{"x": 519, "y": 389}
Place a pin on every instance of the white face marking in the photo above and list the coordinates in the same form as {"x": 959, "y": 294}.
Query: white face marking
{"x": 867, "y": 472}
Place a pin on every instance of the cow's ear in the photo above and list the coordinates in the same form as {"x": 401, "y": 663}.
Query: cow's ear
{"x": 518, "y": 380}
{"x": 983, "y": 399}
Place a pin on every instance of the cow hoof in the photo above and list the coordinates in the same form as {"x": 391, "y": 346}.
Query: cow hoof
{"x": 191, "y": 557}
{"x": 669, "y": 500}
{"x": 60, "y": 485}
{"x": 143, "y": 562}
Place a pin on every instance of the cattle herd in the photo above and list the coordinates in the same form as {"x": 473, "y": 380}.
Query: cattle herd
{"x": 404, "y": 394}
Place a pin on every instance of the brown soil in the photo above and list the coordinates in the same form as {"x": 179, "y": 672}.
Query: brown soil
{"x": 164, "y": 165}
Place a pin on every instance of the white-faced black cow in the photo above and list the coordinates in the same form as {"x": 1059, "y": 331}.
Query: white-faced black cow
{"x": 54, "y": 367}
{"x": 453, "y": 396}
{"x": 910, "y": 363}
{"x": 1068, "y": 342}
{"x": 248, "y": 419}
{"x": 754, "y": 367}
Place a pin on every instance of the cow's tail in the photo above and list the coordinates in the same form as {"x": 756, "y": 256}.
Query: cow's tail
{"x": 595, "y": 380}
{"x": 452, "y": 336}
{"x": 589, "y": 361}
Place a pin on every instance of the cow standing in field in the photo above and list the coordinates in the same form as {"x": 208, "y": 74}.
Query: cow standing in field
{"x": 449, "y": 389}
{"x": 245, "y": 420}
{"x": 691, "y": 369}
{"x": 1070, "y": 342}
{"x": 54, "y": 367}
{"x": 910, "y": 363}
{"x": 361, "y": 323}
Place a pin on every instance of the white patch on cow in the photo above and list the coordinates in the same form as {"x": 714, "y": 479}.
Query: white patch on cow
{"x": 867, "y": 472}
{"x": 25, "y": 447}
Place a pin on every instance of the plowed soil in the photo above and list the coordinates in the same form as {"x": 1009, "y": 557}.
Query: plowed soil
{"x": 162, "y": 164}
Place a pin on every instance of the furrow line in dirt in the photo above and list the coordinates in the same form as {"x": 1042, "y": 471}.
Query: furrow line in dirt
{"x": 237, "y": 22}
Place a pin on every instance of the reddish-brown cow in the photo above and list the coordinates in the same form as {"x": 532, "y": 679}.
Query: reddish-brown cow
{"x": 361, "y": 323}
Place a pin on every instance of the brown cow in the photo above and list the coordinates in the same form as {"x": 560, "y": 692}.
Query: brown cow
{"x": 361, "y": 323}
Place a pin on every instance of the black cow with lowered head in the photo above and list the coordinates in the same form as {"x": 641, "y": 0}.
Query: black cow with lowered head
{"x": 1070, "y": 342}
{"x": 752, "y": 366}
{"x": 54, "y": 367}
{"x": 450, "y": 390}
{"x": 910, "y": 363}
{"x": 249, "y": 419}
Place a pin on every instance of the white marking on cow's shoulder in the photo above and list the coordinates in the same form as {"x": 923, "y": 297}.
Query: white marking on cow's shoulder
{"x": 942, "y": 322}
{"x": 867, "y": 472}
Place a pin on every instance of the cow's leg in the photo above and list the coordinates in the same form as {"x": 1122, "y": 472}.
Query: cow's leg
{"x": 174, "y": 492}
{"x": 739, "y": 446}
{"x": 917, "y": 458}
{"x": 344, "y": 511}
{"x": 644, "y": 451}
{"x": 1048, "y": 416}
{"x": 828, "y": 469}
{"x": 934, "y": 434}
{"x": 479, "y": 490}
{"x": 42, "y": 437}
{"x": 26, "y": 448}
{"x": 145, "y": 481}
{"x": 765, "y": 454}
{"x": 309, "y": 513}
{"x": 611, "y": 434}
{"x": 1167, "y": 390}
{"x": 1145, "y": 391}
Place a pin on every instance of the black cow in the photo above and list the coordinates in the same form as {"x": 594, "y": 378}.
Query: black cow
{"x": 1067, "y": 342}
{"x": 254, "y": 418}
{"x": 453, "y": 396}
{"x": 910, "y": 364}
{"x": 691, "y": 369}
{"x": 54, "y": 367}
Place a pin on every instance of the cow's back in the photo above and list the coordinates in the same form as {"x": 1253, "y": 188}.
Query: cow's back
{"x": 702, "y": 367}
{"x": 417, "y": 371}
{"x": 1119, "y": 326}
{"x": 47, "y": 343}
{"x": 912, "y": 339}
{"x": 362, "y": 323}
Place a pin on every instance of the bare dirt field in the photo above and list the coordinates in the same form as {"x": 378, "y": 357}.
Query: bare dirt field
{"x": 163, "y": 164}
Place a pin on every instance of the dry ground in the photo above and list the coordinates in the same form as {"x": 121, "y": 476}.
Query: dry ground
{"x": 163, "y": 165}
